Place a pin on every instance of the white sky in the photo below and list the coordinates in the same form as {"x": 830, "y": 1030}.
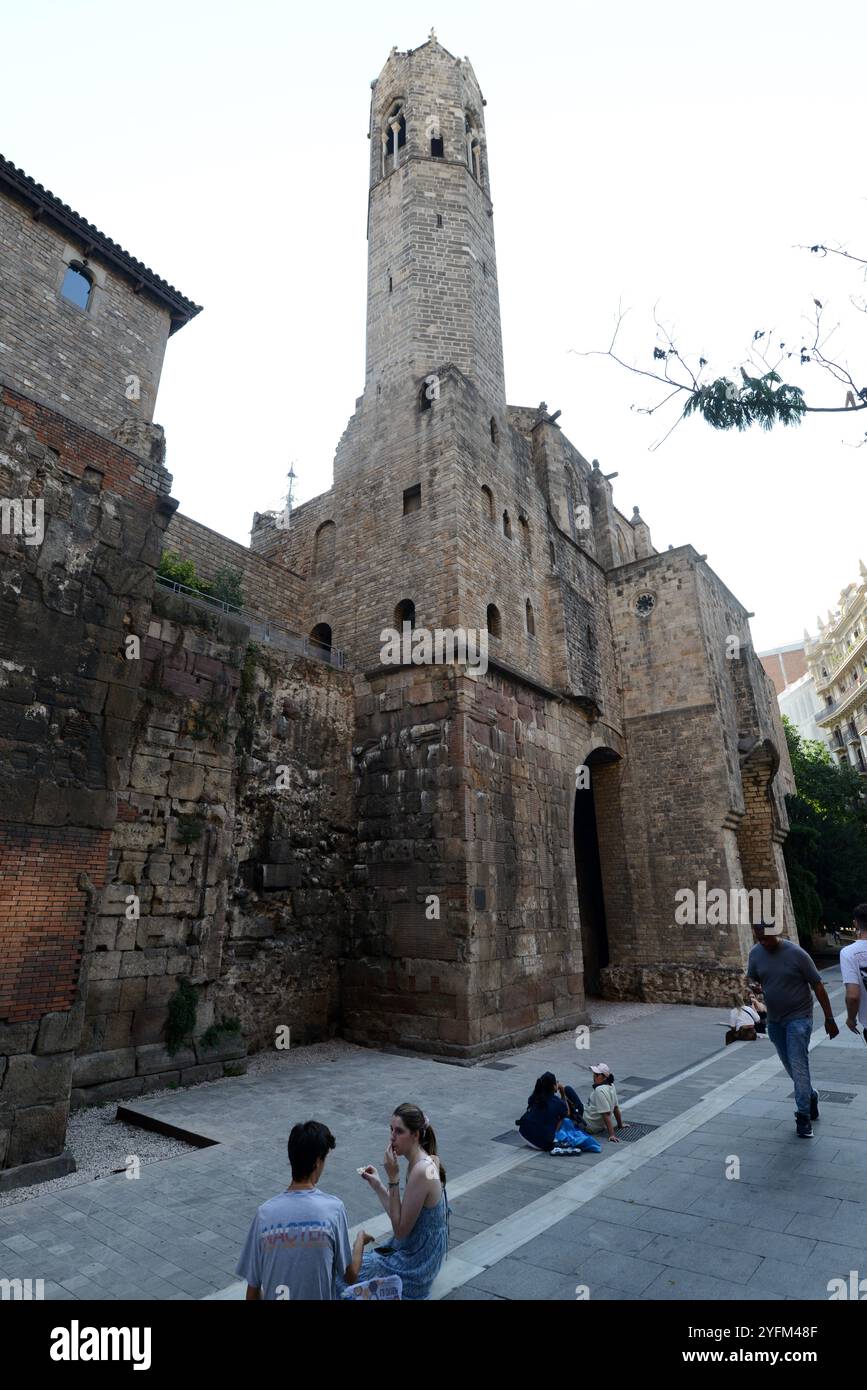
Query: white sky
{"x": 651, "y": 153}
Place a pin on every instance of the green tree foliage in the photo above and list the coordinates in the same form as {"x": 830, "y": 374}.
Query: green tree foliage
{"x": 826, "y": 849}
{"x": 225, "y": 587}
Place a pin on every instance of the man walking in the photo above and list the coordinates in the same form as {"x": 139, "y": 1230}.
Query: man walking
{"x": 786, "y": 974}
{"x": 853, "y": 968}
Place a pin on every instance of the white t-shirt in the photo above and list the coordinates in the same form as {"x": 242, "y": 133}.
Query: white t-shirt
{"x": 744, "y": 1017}
{"x": 603, "y": 1100}
{"x": 853, "y": 968}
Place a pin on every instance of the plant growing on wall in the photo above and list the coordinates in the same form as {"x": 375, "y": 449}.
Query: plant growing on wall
{"x": 182, "y": 1016}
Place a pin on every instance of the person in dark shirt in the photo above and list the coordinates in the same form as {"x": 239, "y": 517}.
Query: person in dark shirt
{"x": 548, "y": 1106}
{"x": 786, "y": 974}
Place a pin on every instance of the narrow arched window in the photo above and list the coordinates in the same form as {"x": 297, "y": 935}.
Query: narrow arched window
{"x": 404, "y": 613}
{"x": 77, "y": 286}
{"x": 507, "y": 525}
{"x": 393, "y": 137}
{"x": 320, "y": 636}
{"x": 488, "y": 502}
{"x": 495, "y": 625}
{"x": 495, "y": 433}
{"x": 525, "y": 532}
{"x": 324, "y": 546}
{"x": 531, "y": 619}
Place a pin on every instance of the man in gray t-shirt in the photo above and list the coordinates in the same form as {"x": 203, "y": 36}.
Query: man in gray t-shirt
{"x": 787, "y": 974}
{"x": 298, "y": 1245}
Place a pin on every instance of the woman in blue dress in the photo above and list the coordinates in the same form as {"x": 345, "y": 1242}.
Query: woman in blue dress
{"x": 419, "y": 1219}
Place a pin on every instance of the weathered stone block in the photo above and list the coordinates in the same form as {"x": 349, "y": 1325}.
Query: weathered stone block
{"x": 108, "y": 1090}
{"x": 37, "y": 1132}
{"x": 212, "y": 1071}
{"x": 153, "y": 1057}
{"x": 227, "y": 1046}
{"x": 60, "y": 1032}
{"x": 104, "y": 1066}
{"x": 32, "y": 1080}
{"x": 17, "y": 1037}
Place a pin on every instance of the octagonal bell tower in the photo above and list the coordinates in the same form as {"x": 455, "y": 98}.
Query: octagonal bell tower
{"x": 432, "y": 295}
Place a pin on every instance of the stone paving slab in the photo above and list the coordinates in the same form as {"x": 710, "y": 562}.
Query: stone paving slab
{"x": 673, "y": 1227}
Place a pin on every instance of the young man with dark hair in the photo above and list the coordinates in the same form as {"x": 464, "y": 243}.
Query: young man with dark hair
{"x": 298, "y": 1244}
{"x": 853, "y": 968}
{"x": 786, "y": 974}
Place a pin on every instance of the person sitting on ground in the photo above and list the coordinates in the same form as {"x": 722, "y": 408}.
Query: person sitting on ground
{"x": 757, "y": 1001}
{"x": 550, "y": 1104}
{"x": 298, "y": 1244}
{"x": 743, "y": 1021}
{"x": 603, "y": 1104}
{"x": 419, "y": 1221}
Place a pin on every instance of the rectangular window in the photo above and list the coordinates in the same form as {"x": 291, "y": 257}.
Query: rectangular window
{"x": 412, "y": 499}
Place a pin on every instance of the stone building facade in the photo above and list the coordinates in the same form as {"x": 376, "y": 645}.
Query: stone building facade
{"x": 440, "y": 856}
{"x": 837, "y": 661}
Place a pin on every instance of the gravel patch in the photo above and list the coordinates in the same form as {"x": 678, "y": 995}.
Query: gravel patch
{"x": 101, "y": 1144}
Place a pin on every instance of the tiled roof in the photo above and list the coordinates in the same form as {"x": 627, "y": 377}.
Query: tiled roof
{"x": 46, "y": 204}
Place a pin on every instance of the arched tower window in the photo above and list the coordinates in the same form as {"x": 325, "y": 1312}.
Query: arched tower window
{"x": 77, "y": 286}
{"x": 393, "y": 137}
{"x": 531, "y": 619}
{"x": 476, "y": 160}
{"x": 494, "y": 621}
{"x": 487, "y": 502}
{"x": 321, "y": 635}
{"x": 495, "y": 433}
{"x": 525, "y": 532}
{"x": 324, "y": 546}
{"x": 507, "y": 525}
{"x": 404, "y": 613}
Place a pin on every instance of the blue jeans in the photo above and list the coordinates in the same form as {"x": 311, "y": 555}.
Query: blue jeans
{"x": 792, "y": 1041}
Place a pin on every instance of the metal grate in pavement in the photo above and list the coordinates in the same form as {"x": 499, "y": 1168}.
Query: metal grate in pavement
{"x": 831, "y": 1097}
{"x": 633, "y": 1131}
{"x": 629, "y": 1134}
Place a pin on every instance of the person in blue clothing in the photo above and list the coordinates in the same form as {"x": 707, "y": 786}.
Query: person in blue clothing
{"x": 547, "y": 1108}
{"x": 419, "y": 1218}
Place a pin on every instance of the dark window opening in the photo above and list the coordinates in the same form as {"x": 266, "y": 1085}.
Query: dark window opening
{"x": 495, "y": 624}
{"x": 404, "y": 613}
{"x": 321, "y": 635}
{"x": 425, "y": 399}
{"x": 436, "y": 146}
{"x": 488, "y": 502}
{"x": 390, "y": 284}
{"x": 531, "y": 620}
{"x": 77, "y": 286}
{"x": 495, "y": 433}
{"x": 412, "y": 499}
{"x": 507, "y": 525}
{"x": 439, "y": 219}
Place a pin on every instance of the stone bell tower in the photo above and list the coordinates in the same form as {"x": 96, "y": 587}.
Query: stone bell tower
{"x": 432, "y": 274}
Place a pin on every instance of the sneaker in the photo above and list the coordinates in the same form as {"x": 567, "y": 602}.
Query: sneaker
{"x": 803, "y": 1128}
{"x": 814, "y": 1106}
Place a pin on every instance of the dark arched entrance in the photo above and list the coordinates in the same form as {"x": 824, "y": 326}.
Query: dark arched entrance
{"x": 588, "y": 866}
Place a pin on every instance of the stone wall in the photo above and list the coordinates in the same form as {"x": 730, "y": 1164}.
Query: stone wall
{"x": 69, "y": 601}
{"x": 466, "y": 936}
{"x": 231, "y": 852}
{"x": 71, "y": 359}
{"x": 270, "y": 590}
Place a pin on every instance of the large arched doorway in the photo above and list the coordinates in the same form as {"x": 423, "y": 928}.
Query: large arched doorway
{"x": 596, "y": 799}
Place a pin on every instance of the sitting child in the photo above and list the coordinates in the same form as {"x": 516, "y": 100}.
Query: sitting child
{"x": 743, "y": 1021}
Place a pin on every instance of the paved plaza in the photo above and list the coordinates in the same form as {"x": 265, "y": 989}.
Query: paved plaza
{"x": 717, "y": 1200}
